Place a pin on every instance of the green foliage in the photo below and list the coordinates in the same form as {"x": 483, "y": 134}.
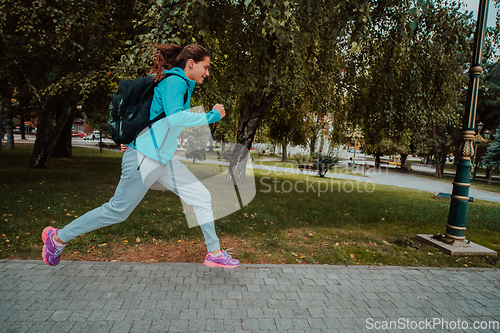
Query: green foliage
{"x": 325, "y": 163}
{"x": 488, "y": 105}
{"x": 267, "y": 57}
{"x": 65, "y": 53}
{"x": 302, "y": 158}
{"x": 227, "y": 154}
{"x": 492, "y": 156}
{"x": 409, "y": 71}
{"x": 196, "y": 155}
{"x": 197, "y": 139}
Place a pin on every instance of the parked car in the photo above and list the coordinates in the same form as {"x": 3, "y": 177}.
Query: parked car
{"x": 79, "y": 135}
{"x": 94, "y": 136}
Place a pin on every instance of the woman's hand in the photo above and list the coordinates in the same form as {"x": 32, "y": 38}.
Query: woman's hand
{"x": 123, "y": 147}
{"x": 220, "y": 108}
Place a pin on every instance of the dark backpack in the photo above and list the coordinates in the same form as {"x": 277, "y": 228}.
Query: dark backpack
{"x": 129, "y": 110}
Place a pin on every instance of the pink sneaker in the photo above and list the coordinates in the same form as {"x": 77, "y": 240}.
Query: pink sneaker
{"x": 223, "y": 260}
{"x": 51, "y": 252}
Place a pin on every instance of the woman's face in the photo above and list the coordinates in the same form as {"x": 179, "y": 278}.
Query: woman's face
{"x": 197, "y": 71}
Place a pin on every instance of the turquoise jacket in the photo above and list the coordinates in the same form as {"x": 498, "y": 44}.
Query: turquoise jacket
{"x": 159, "y": 142}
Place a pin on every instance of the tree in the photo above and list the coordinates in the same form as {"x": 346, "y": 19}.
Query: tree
{"x": 492, "y": 156}
{"x": 197, "y": 138}
{"x": 408, "y": 70}
{"x": 488, "y": 107}
{"x": 263, "y": 50}
{"x": 67, "y": 50}
{"x": 285, "y": 126}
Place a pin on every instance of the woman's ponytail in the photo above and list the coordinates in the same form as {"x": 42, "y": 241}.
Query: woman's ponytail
{"x": 173, "y": 55}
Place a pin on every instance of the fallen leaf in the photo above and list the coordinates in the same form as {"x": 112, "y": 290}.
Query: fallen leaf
{"x": 352, "y": 255}
{"x": 138, "y": 240}
{"x": 383, "y": 219}
{"x": 125, "y": 241}
{"x": 302, "y": 256}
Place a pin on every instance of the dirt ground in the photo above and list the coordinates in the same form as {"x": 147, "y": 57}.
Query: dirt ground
{"x": 181, "y": 251}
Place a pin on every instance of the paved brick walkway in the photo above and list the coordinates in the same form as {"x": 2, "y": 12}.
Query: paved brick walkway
{"x": 165, "y": 297}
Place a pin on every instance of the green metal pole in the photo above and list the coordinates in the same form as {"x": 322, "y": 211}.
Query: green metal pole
{"x": 457, "y": 217}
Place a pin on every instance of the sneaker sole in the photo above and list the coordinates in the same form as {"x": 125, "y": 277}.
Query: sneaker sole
{"x": 214, "y": 264}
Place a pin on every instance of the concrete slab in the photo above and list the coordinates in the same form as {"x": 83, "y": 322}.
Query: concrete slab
{"x": 463, "y": 249}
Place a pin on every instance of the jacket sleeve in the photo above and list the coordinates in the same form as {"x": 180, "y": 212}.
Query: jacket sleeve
{"x": 172, "y": 96}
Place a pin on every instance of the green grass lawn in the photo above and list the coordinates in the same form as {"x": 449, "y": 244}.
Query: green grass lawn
{"x": 346, "y": 223}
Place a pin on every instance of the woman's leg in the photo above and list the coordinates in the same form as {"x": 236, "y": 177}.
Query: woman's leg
{"x": 128, "y": 194}
{"x": 182, "y": 182}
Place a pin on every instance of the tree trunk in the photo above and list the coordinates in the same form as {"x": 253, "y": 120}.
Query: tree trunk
{"x": 488, "y": 174}
{"x": 444, "y": 154}
{"x": 474, "y": 171}
{"x": 3, "y": 112}
{"x": 9, "y": 129}
{"x": 211, "y": 144}
{"x": 403, "y": 160}
{"x": 6, "y": 104}
{"x": 377, "y": 160}
{"x": 321, "y": 143}
{"x": 437, "y": 154}
{"x": 312, "y": 145}
{"x": 45, "y": 137}
{"x": 284, "y": 153}
{"x": 22, "y": 127}
{"x": 250, "y": 116}
{"x": 438, "y": 164}
{"x": 63, "y": 148}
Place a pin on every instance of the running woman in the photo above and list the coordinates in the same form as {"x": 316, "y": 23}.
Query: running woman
{"x": 177, "y": 70}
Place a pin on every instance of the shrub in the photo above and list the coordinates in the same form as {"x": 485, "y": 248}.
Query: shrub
{"x": 301, "y": 158}
{"x": 325, "y": 163}
{"x": 226, "y": 154}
